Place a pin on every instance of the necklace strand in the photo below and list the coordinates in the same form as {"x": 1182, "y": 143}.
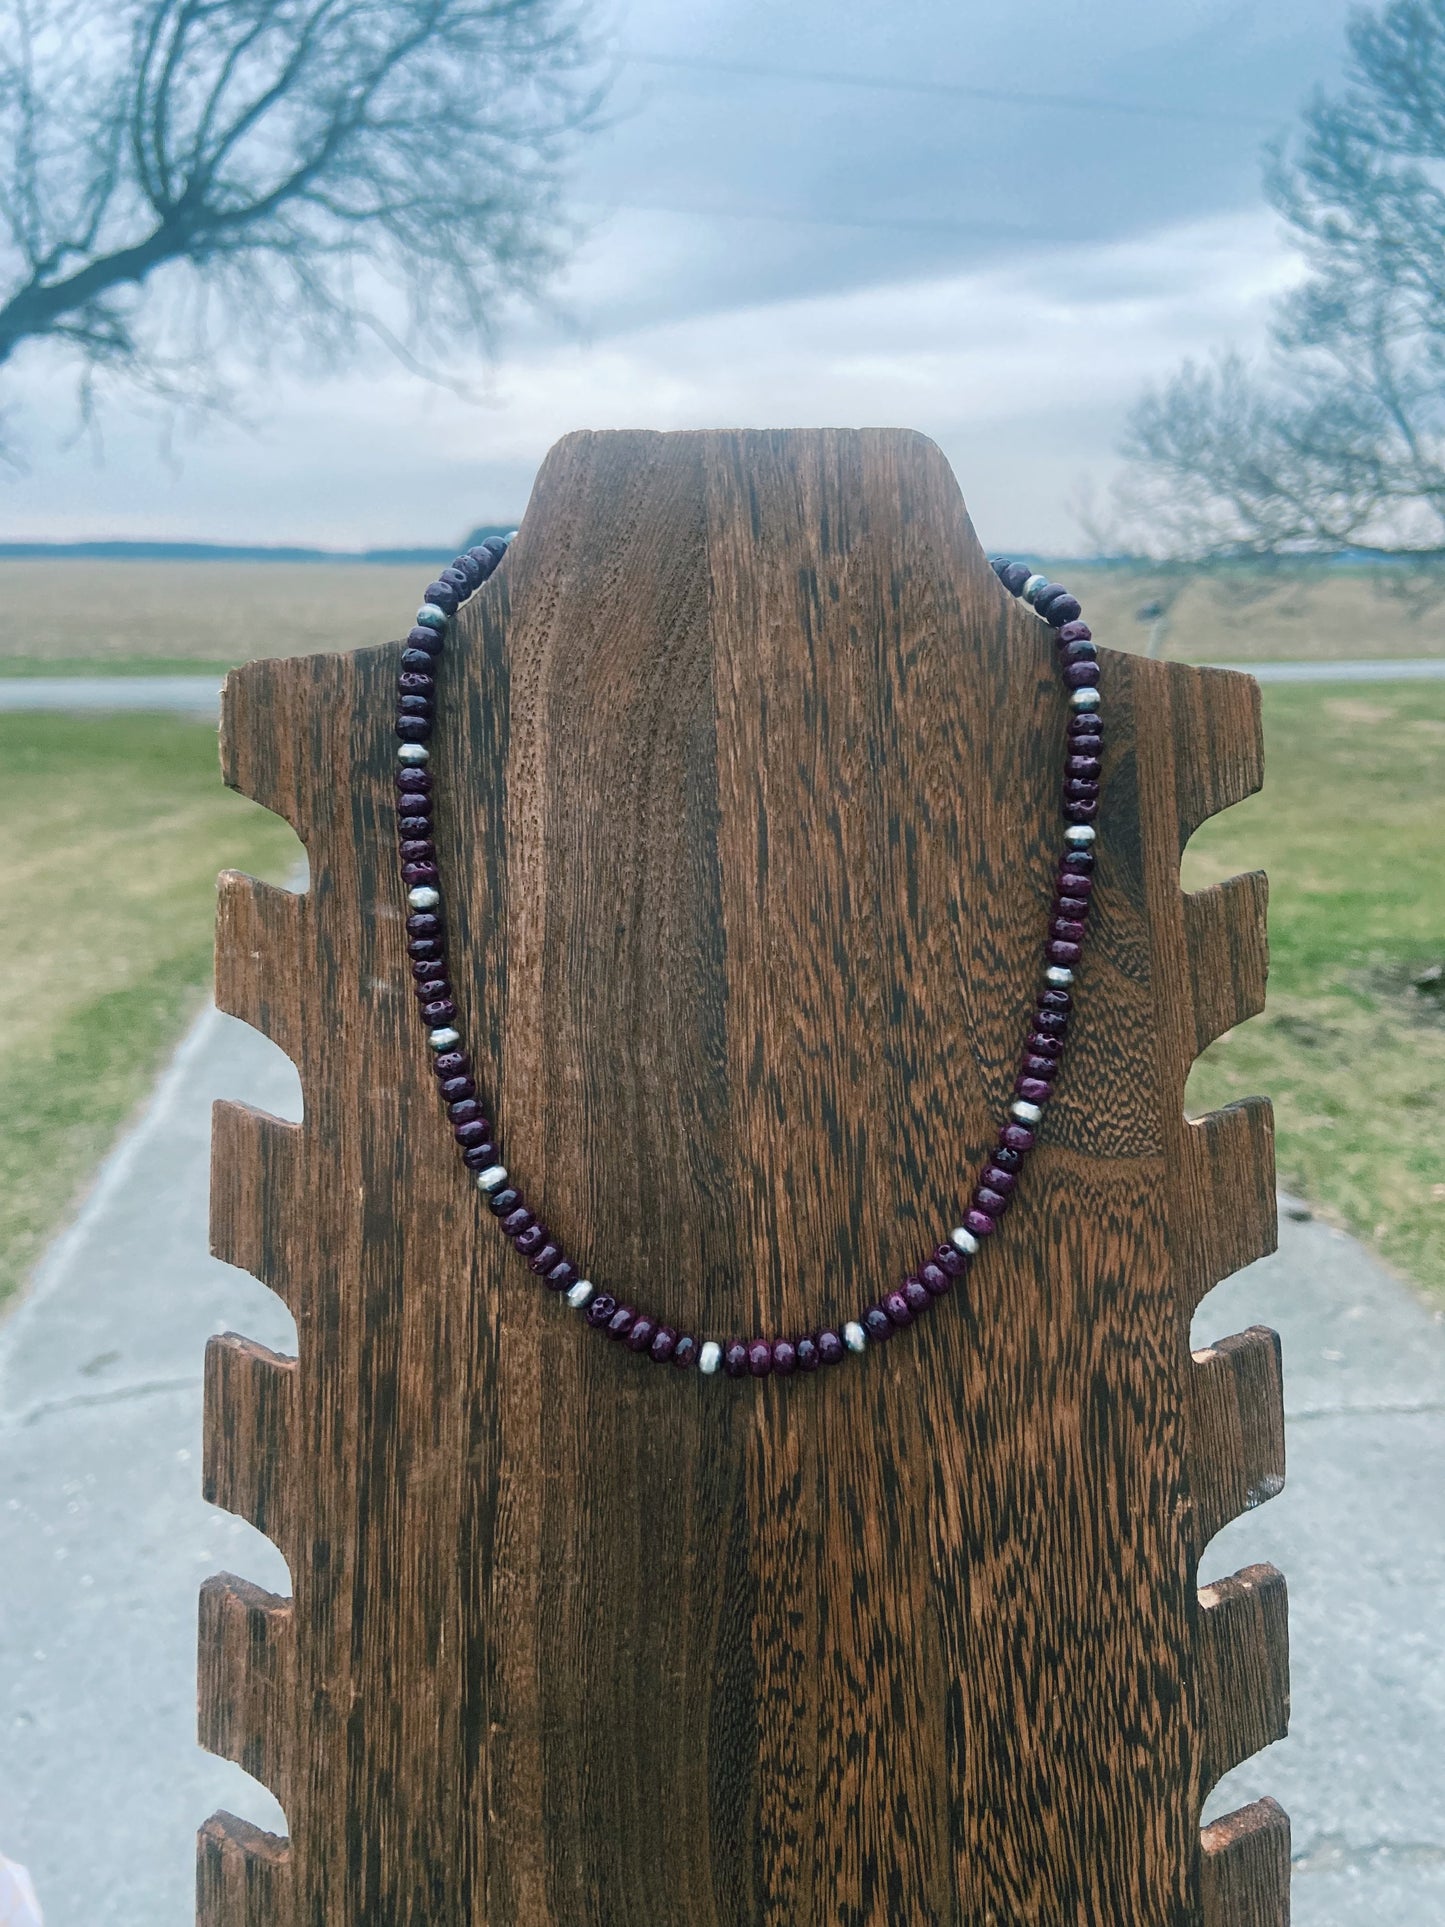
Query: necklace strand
{"x": 1040, "y": 1065}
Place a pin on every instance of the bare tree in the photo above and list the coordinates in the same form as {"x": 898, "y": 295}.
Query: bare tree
{"x": 1339, "y": 438}
{"x": 288, "y": 173}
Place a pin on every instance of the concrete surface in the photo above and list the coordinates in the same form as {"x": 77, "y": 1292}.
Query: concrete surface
{"x": 201, "y": 695}
{"x": 104, "y": 1541}
{"x": 193, "y": 695}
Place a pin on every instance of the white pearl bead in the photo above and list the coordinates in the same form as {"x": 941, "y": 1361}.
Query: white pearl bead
{"x": 709, "y": 1358}
{"x": 854, "y": 1336}
{"x": 1033, "y": 585}
{"x": 1084, "y": 699}
{"x": 1080, "y": 835}
{"x": 1025, "y": 1112}
{"x": 963, "y": 1240}
{"x": 417, "y": 753}
{"x": 493, "y": 1178}
{"x": 581, "y": 1294}
{"x": 441, "y": 1040}
{"x": 423, "y": 897}
{"x": 1059, "y": 975}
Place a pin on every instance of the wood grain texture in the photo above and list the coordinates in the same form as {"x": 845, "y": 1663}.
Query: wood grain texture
{"x": 747, "y": 812}
{"x": 1246, "y": 1868}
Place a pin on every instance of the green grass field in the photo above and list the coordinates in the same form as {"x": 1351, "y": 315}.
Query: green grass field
{"x": 119, "y": 825}
{"x": 1349, "y": 827}
{"x": 163, "y": 618}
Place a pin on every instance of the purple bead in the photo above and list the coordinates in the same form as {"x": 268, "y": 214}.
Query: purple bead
{"x": 1082, "y": 809}
{"x": 877, "y": 1324}
{"x": 502, "y": 1203}
{"x": 949, "y": 1260}
{"x": 785, "y": 1357}
{"x": 1044, "y": 1069}
{"x": 1078, "y": 652}
{"x": 1081, "y": 675}
{"x": 807, "y": 1355}
{"x": 425, "y": 970}
{"x": 1086, "y": 723}
{"x": 465, "y": 1110}
{"x": 640, "y": 1337}
{"x": 1074, "y": 883}
{"x": 934, "y": 1279}
{"x": 429, "y": 641}
{"x": 1062, "y": 609}
{"x": 413, "y": 873}
{"x": 562, "y": 1275}
{"x": 1016, "y": 1137}
{"x": 979, "y": 1222}
{"x": 442, "y": 595}
{"x": 440, "y": 1013}
{"x": 459, "y": 575}
{"x": 456, "y": 1090}
{"x": 1014, "y": 575}
{"x": 476, "y": 1131}
{"x": 1068, "y": 929}
{"x": 477, "y": 1157}
{"x": 413, "y": 705}
{"x": 899, "y": 1311}
{"x": 542, "y": 1261}
{"x": 431, "y": 988}
{"x": 1033, "y": 1089}
{"x": 915, "y": 1295}
{"x": 998, "y": 1179}
{"x": 992, "y": 1203}
{"x": 413, "y": 729}
{"x": 601, "y": 1308}
{"x": 1052, "y": 1022}
{"x": 1081, "y": 786}
{"x": 664, "y": 1340}
{"x": 1039, "y": 1045}
{"x": 735, "y": 1358}
{"x": 1079, "y": 861}
{"x": 1049, "y": 597}
{"x": 1090, "y": 766}
{"x": 415, "y": 682}
{"x": 530, "y": 1238}
{"x": 413, "y": 782}
{"x": 1064, "y": 953}
{"x": 518, "y": 1221}
{"x": 684, "y": 1352}
{"x": 830, "y": 1346}
{"x": 1075, "y": 631}
{"x": 414, "y": 823}
{"x": 1075, "y": 907}
{"x": 1008, "y": 1160}
{"x": 621, "y": 1322}
{"x": 451, "y": 1063}
{"x": 417, "y": 849}
{"x": 760, "y": 1358}
{"x": 418, "y": 661}
{"x": 1055, "y": 999}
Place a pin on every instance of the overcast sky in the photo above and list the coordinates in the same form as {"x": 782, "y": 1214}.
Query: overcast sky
{"x": 990, "y": 222}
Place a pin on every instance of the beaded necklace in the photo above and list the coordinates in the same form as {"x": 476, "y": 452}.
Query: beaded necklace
{"x": 638, "y": 1331}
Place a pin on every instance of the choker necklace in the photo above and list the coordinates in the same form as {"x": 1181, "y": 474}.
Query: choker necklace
{"x": 1043, "y": 1050}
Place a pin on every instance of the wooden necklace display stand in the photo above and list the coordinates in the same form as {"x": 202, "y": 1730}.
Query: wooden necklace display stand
{"x": 748, "y": 818}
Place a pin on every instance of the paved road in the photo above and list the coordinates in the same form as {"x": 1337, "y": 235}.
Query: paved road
{"x": 200, "y": 695}
{"x": 102, "y": 1787}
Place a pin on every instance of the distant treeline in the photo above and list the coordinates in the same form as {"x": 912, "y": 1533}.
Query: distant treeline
{"x": 231, "y": 552}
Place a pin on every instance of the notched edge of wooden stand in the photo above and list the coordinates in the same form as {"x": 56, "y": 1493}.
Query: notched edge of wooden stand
{"x": 243, "y": 1875}
{"x": 1246, "y": 1868}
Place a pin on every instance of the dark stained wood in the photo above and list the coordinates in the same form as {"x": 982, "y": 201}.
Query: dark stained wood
{"x": 748, "y": 811}
{"x": 1246, "y": 1867}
